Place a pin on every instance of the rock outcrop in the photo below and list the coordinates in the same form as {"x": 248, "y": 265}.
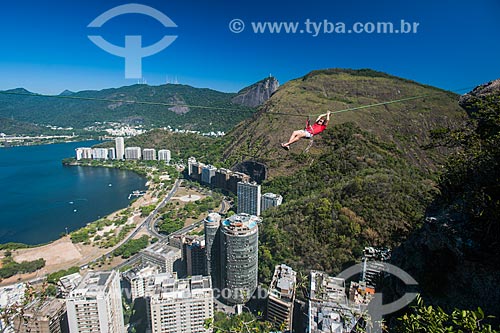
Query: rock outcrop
{"x": 257, "y": 93}
{"x": 468, "y": 101}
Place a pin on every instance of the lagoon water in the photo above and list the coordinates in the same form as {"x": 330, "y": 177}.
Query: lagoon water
{"x": 40, "y": 197}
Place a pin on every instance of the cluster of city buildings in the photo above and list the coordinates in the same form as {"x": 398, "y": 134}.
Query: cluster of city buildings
{"x": 182, "y": 281}
{"x": 116, "y": 128}
{"x": 334, "y": 308}
{"x": 250, "y": 199}
{"x": 120, "y": 152}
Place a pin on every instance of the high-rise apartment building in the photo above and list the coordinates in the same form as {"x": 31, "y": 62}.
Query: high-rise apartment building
{"x": 100, "y": 153}
{"x": 164, "y": 155}
{"x": 96, "y": 304}
{"x": 234, "y": 179}
{"x": 282, "y": 296}
{"x": 194, "y": 250}
{"x": 239, "y": 238}
{"x": 221, "y": 178}
{"x": 269, "y": 200}
{"x": 212, "y": 248}
{"x": 249, "y": 198}
{"x": 120, "y": 148}
{"x": 207, "y": 174}
{"x": 133, "y": 153}
{"x": 149, "y": 154}
{"x": 179, "y": 306}
{"x": 165, "y": 257}
{"x": 195, "y": 170}
{"x": 111, "y": 153}
{"x": 42, "y": 316}
{"x": 138, "y": 280}
{"x": 84, "y": 153}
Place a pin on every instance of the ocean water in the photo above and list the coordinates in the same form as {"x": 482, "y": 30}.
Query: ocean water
{"x": 40, "y": 198}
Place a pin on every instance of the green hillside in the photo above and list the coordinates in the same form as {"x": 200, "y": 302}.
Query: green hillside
{"x": 14, "y": 127}
{"x": 360, "y": 192}
{"x": 78, "y": 113}
{"x": 406, "y": 125}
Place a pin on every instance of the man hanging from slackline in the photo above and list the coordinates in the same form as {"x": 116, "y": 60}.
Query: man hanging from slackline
{"x": 310, "y": 130}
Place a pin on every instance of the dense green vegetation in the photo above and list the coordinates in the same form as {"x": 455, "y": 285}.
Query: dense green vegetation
{"x": 13, "y": 127}
{"x": 54, "y": 277}
{"x": 424, "y": 318}
{"x": 81, "y": 113}
{"x": 360, "y": 192}
{"x": 15, "y": 246}
{"x": 245, "y": 322}
{"x": 470, "y": 185}
{"x": 174, "y": 217}
{"x": 460, "y": 247}
{"x": 168, "y": 223}
{"x": 132, "y": 247}
{"x": 146, "y": 210}
{"x": 10, "y": 267}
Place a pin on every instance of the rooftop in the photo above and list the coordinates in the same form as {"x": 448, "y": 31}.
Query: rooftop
{"x": 271, "y": 195}
{"x": 47, "y": 308}
{"x": 327, "y": 288}
{"x": 283, "y": 282}
{"x": 164, "y": 286}
{"x": 329, "y": 308}
{"x": 93, "y": 283}
{"x": 140, "y": 273}
{"x": 162, "y": 249}
{"x": 213, "y": 218}
{"x": 241, "y": 223}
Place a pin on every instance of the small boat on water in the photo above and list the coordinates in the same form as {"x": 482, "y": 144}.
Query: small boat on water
{"x": 136, "y": 193}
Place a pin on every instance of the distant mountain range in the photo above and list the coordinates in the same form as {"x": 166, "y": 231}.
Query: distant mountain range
{"x": 186, "y": 107}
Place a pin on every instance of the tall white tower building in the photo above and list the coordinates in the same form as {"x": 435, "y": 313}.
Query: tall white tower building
{"x": 239, "y": 253}
{"x": 120, "y": 148}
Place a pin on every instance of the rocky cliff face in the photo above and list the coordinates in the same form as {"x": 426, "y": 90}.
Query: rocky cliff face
{"x": 455, "y": 256}
{"x": 469, "y": 100}
{"x": 257, "y": 93}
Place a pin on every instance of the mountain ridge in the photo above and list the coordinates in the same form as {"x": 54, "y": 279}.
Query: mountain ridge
{"x": 189, "y": 110}
{"x": 406, "y": 124}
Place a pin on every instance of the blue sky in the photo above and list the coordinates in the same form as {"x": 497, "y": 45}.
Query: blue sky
{"x": 44, "y": 44}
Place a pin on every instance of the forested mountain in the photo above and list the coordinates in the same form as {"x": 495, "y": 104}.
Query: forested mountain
{"x": 185, "y": 107}
{"x": 406, "y": 124}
